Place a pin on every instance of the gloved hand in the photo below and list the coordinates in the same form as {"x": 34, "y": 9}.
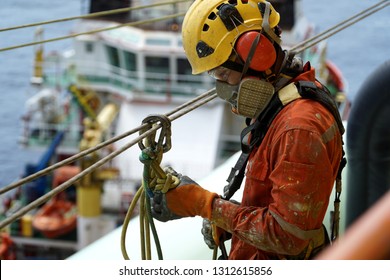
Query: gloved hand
{"x": 213, "y": 235}
{"x": 188, "y": 199}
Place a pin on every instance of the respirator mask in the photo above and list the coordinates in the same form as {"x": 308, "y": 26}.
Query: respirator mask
{"x": 249, "y": 98}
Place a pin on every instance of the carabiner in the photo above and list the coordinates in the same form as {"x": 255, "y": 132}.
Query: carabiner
{"x": 164, "y": 139}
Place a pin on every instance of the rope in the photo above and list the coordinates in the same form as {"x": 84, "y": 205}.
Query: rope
{"x": 154, "y": 179}
{"x": 298, "y": 48}
{"x": 93, "y": 15}
{"x": 341, "y": 26}
{"x": 180, "y": 111}
{"x": 127, "y": 220}
{"x": 92, "y": 32}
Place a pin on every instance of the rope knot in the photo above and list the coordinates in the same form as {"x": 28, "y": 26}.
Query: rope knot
{"x": 145, "y": 157}
{"x": 164, "y": 185}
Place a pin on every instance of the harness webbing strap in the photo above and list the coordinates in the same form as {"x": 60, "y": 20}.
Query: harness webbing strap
{"x": 288, "y": 94}
{"x": 236, "y": 176}
{"x": 310, "y": 90}
{"x": 257, "y": 131}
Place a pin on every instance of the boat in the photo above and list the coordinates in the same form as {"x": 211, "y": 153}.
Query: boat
{"x": 106, "y": 84}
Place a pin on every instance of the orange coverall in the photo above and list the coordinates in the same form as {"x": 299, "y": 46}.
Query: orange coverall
{"x": 289, "y": 179}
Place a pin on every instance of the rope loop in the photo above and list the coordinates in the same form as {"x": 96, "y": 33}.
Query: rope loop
{"x": 152, "y": 150}
{"x": 164, "y": 185}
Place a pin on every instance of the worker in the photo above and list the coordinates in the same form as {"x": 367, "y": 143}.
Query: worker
{"x": 293, "y": 154}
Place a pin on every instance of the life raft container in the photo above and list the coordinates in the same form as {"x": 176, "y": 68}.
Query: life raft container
{"x": 7, "y": 251}
{"x": 56, "y": 218}
{"x": 59, "y": 215}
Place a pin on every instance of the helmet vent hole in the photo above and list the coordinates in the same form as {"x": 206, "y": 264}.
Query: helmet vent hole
{"x": 206, "y": 27}
{"x": 212, "y": 16}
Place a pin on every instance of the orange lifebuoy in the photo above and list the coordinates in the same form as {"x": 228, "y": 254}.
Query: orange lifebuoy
{"x": 336, "y": 75}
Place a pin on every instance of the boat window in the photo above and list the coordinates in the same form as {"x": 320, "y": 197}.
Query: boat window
{"x": 130, "y": 61}
{"x": 89, "y": 47}
{"x": 287, "y": 12}
{"x": 155, "y": 64}
{"x": 184, "y": 72}
{"x": 113, "y": 56}
{"x": 183, "y": 67}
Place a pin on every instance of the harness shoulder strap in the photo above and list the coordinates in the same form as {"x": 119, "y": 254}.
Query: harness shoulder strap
{"x": 310, "y": 90}
{"x": 322, "y": 95}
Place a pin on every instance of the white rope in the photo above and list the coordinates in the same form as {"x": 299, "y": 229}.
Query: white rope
{"x": 93, "y": 15}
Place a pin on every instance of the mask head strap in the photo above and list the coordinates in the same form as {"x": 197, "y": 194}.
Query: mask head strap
{"x": 250, "y": 55}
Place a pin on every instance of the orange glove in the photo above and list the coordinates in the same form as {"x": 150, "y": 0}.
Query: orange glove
{"x": 188, "y": 199}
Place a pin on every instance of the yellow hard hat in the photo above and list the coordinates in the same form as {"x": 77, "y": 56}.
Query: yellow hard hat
{"x": 211, "y": 28}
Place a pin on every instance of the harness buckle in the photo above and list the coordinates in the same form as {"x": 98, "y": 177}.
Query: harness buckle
{"x": 305, "y": 87}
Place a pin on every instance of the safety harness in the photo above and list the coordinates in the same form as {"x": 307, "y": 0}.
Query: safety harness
{"x": 258, "y": 129}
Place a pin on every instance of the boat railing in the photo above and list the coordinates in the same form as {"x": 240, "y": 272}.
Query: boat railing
{"x": 134, "y": 83}
{"x": 56, "y": 72}
{"x": 41, "y": 134}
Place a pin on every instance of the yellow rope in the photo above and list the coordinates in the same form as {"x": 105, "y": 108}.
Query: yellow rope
{"x": 126, "y": 222}
{"x": 155, "y": 179}
{"x": 142, "y": 226}
{"x": 147, "y": 235}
